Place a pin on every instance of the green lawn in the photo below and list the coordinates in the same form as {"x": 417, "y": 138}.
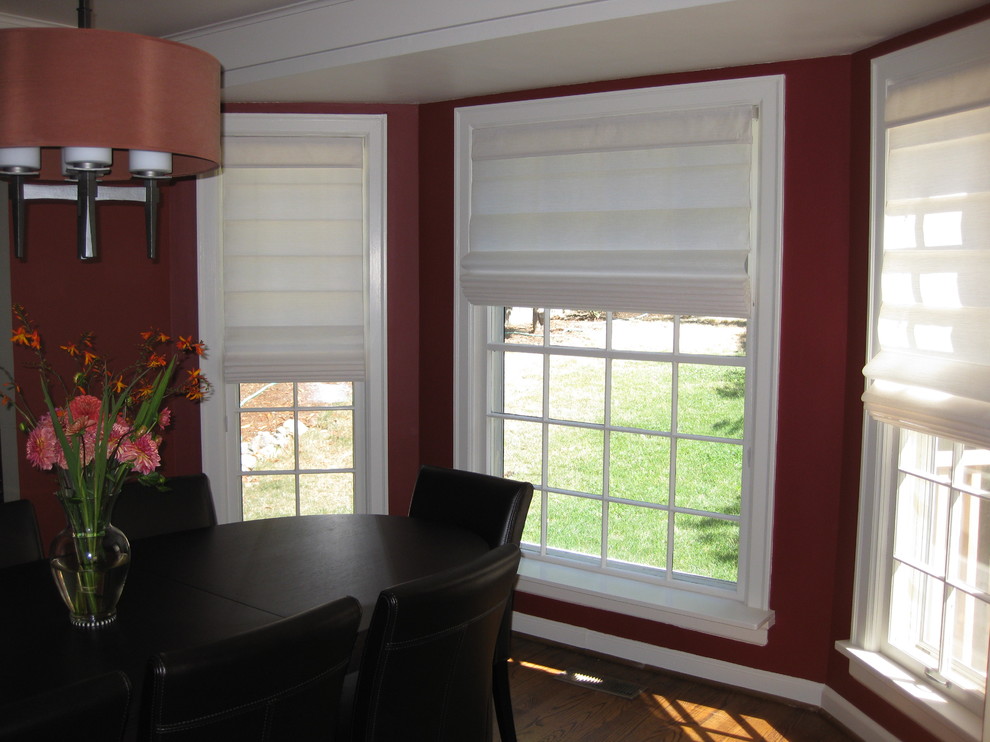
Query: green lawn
{"x": 325, "y": 444}
{"x": 706, "y": 473}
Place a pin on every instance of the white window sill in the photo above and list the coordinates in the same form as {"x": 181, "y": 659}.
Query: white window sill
{"x": 948, "y": 720}
{"x": 705, "y": 613}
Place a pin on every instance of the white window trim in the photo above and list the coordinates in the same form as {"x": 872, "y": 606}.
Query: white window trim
{"x": 220, "y": 440}
{"x": 748, "y": 620}
{"x": 942, "y": 716}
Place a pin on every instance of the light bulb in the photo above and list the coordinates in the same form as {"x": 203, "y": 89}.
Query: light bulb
{"x": 87, "y": 158}
{"x": 146, "y": 163}
{"x": 20, "y": 160}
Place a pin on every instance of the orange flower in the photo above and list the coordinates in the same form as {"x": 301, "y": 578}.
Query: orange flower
{"x": 29, "y": 339}
{"x": 21, "y": 336}
{"x": 186, "y": 344}
{"x": 196, "y": 385}
{"x": 119, "y": 385}
{"x": 156, "y": 360}
{"x": 71, "y": 349}
{"x": 145, "y": 391}
{"x": 89, "y": 358}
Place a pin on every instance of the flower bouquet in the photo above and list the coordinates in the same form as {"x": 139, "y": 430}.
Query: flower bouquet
{"x": 106, "y": 430}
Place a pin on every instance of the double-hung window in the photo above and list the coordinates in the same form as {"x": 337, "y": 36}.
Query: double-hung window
{"x": 921, "y": 620}
{"x": 616, "y": 344}
{"x": 291, "y": 285}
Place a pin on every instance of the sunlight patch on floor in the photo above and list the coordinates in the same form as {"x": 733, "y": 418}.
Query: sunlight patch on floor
{"x": 695, "y": 721}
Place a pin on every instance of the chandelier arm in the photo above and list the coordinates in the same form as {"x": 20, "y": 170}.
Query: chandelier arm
{"x": 16, "y": 194}
{"x": 86, "y": 215}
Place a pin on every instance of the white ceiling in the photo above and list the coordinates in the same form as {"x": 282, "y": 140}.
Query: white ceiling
{"x": 408, "y": 51}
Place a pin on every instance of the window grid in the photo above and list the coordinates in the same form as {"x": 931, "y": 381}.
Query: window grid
{"x": 335, "y": 482}
{"x": 938, "y": 622}
{"x": 666, "y": 574}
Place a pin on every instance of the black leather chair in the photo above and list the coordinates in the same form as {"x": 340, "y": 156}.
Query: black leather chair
{"x": 426, "y": 669}
{"x": 496, "y": 509}
{"x": 280, "y": 682}
{"x": 90, "y": 710}
{"x": 20, "y": 540}
{"x": 493, "y": 507}
{"x": 142, "y": 511}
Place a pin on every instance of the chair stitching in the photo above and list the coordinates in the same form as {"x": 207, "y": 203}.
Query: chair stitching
{"x": 127, "y": 704}
{"x": 507, "y": 528}
{"x": 446, "y": 690}
{"x": 233, "y": 710}
{"x": 266, "y": 728}
{"x": 426, "y": 638}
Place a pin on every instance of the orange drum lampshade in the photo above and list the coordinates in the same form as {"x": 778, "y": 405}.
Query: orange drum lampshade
{"x": 88, "y": 106}
{"x": 108, "y": 89}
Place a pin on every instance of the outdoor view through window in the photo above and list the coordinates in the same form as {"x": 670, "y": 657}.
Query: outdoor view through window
{"x": 631, "y": 428}
{"x": 297, "y": 454}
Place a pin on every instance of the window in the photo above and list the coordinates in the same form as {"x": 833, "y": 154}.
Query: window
{"x": 921, "y": 619}
{"x": 616, "y": 342}
{"x": 291, "y": 282}
{"x": 939, "y": 587}
{"x": 632, "y": 426}
{"x": 297, "y": 448}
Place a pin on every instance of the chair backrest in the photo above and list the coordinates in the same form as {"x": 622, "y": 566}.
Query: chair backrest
{"x": 142, "y": 511}
{"x": 90, "y": 710}
{"x": 426, "y": 671}
{"x": 19, "y": 538}
{"x": 278, "y": 682}
{"x": 493, "y": 507}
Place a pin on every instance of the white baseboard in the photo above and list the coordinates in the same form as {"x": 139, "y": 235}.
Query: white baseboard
{"x": 740, "y": 676}
{"x": 853, "y": 719}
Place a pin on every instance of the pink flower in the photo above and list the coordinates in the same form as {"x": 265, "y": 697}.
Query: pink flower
{"x": 43, "y": 450}
{"x": 142, "y": 453}
{"x": 85, "y": 408}
{"x": 164, "y": 417}
{"x": 120, "y": 429}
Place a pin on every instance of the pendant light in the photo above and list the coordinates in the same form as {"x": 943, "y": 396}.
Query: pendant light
{"x": 85, "y": 107}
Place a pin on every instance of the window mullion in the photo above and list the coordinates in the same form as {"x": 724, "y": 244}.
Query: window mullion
{"x": 674, "y": 441}
{"x": 606, "y": 438}
{"x": 949, "y": 591}
{"x": 545, "y": 438}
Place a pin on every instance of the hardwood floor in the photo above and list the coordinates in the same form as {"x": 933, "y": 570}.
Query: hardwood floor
{"x": 551, "y": 706}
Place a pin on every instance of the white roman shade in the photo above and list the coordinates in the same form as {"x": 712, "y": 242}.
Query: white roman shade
{"x": 931, "y": 369}
{"x": 629, "y": 211}
{"x": 293, "y": 258}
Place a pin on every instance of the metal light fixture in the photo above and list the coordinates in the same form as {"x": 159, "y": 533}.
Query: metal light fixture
{"x": 84, "y": 107}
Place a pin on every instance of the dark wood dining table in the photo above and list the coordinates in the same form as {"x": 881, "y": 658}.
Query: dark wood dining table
{"x": 193, "y": 587}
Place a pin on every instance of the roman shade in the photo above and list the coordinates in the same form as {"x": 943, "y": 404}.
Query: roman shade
{"x": 931, "y": 367}
{"x": 630, "y": 211}
{"x": 293, "y": 258}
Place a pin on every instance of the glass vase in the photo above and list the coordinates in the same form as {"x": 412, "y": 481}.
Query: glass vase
{"x": 89, "y": 560}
